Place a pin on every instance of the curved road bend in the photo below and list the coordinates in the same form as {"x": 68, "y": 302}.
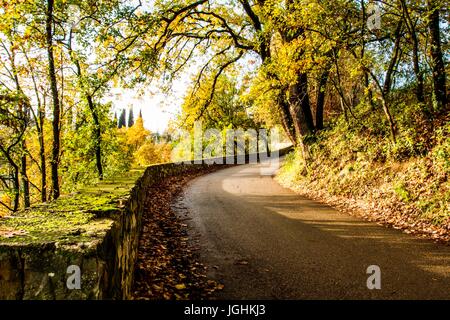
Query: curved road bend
{"x": 263, "y": 241}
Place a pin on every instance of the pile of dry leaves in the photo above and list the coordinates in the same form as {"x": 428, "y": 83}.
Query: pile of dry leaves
{"x": 167, "y": 266}
{"x": 393, "y": 214}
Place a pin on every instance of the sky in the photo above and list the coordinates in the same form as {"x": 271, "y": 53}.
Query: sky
{"x": 157, "y": 107}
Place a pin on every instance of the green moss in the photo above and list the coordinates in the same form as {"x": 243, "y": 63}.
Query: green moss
{"x": 81, "y": 217}
{"x": 402, "y": 192}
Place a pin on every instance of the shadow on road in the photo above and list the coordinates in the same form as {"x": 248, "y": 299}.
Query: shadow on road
{"x": 266, "y": 242}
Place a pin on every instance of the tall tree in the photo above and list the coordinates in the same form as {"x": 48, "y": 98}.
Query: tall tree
{"x": 13, "y": 126}
{"x": 54, "y": 162}
{"x": 437, "y": 61}
{"x": 88, "y": 96}
{"x": 414, "y": 39}
{"x": 130, "y": 117}
{"x": 122, "y": 120}
{"x": 24, "y": 110}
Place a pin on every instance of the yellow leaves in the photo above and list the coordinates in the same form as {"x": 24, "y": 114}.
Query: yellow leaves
{"x": 115, "y": 80}
{"x": 27, "y": 33}
{"x": 136, "y": 141}
{"x": 276, "y": 43}
{"x": 181, "y": 286}
{"x": 146, "y": 154}
{"x": 6, "y": 199}
{"x": 136, "y": 64}
{"x": 355, "y": 73}
{"x": 137, "y": 134}
{"x": 107, "y": 42}
{"x": 99, "y": 72}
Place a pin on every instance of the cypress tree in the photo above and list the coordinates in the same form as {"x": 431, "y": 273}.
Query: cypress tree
{"x": 130, "y": 118}
{"x": 122, "y": 120}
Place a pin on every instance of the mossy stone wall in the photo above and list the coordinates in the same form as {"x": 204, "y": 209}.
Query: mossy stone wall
{"x": 96, "y": 229}
{"x": 36, "y": 267}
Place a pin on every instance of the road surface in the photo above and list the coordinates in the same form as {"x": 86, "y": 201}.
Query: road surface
{"x": 263, "y": 241}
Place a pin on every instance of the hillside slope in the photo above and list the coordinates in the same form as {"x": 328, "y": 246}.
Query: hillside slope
{"x": 405, "y": 185}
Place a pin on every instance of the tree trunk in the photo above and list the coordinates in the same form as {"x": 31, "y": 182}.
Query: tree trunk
{"x": 300, "y": 111}
{"x": 321, "y": 98}
{"x": 15, "y": 180}
{"x": 419, "y": 88}
{"x": 42, "y": 156}
{"x": 97, "y": 137}
{"x": 363, "y": 52}
{"x": 386, "y": 89}
{"x": 90, "y": 102}
{"x": 393, "y": 62}
{"x": 390, "y": 119}
{"x": 56, "y": 105}
{"x": 438, "y": 67}
{"x": 23, "y": 109}
{"x": 16, "y": 185}
{"x": 25, "y": 182}
{"x": 286, "y": 119}
{"x": 415, "y": 50}
{"x": 344, "y": 109}
{"x": 300, "y": 107}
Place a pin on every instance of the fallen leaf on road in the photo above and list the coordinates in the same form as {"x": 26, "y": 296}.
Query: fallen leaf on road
{"x": 180, "y": 286}
{"x": 220, "y": 287}
{"x": 241, "y": 262}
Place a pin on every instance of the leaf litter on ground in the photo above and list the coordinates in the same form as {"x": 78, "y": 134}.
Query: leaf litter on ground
{"x": 168, "y": 266}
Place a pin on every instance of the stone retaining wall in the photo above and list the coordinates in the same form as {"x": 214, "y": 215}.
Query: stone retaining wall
{"x": 35, "y": 266}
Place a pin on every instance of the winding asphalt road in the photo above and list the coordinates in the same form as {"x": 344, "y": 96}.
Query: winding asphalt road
{"x": 263, "y": 241}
